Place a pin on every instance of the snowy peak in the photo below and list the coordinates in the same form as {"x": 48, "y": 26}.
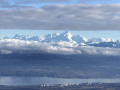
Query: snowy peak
{"x": 16, "y": 36}
{"x": 21, "y": 37}
{"x": 56, "y": 34}
{"x": 65, "y": 36}
{"x": 79, "y": 39}
{"x": 98, "y": 40}
{"x": 34, "y": 38}
{"x": 27, "y": 37}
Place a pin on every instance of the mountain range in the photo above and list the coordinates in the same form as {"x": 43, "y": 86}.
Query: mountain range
{"x": 68, "y": 37}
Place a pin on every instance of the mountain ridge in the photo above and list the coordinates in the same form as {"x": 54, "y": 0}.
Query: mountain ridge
{"x": 68, "y": 37}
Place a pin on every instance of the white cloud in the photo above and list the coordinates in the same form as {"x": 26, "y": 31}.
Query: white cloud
{"x": 8, "y": 46}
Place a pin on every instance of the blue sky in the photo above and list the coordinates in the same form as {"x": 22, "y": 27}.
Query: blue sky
{"x": 87, "y": 34}
{"x": 63, "y": 1}
{"x": 67, "y": 2}
{"x": 38, "y": 3}
{"x": 75, "y": 2}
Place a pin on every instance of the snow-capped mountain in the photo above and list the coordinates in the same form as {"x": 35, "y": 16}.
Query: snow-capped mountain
{"x": 26, "y": 38}
{"x": 68, "y": 37}
{"x": 21, "y": 37}
{"x": 36, "y": 38}
{"x": 98, "y": 40}
{"x": 79, "y": 39}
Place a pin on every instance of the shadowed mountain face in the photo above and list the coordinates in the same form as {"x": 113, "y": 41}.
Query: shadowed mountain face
{"x": 56, "y": 65}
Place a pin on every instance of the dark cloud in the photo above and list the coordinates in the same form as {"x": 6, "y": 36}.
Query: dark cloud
{"x": 62, "y": 17}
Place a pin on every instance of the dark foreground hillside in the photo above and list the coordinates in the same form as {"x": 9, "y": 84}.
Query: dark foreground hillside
{"x": 63, "y": 66}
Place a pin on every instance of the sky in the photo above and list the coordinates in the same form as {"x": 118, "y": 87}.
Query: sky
{"x": 51, "y": 2}
{"x": 46, "y": 15}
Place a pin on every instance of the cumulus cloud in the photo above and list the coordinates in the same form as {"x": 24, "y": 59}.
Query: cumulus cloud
{"x": 8, "y": 46}
{"x": 62, "y": 17}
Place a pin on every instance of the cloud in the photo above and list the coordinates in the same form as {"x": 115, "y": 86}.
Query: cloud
{"x": 62, "y": 17}
{"x": 8, "y": 46}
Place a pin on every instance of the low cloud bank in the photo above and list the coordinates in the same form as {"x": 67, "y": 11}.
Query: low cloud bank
{"x": 8, "y": 46}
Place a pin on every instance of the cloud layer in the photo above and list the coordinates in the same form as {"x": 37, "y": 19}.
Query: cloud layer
{"x": 8, "y": 46}
{"x": 62, "y": 17}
